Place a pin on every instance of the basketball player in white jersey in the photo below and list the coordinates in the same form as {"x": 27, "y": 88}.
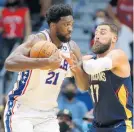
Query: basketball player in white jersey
{"x": 31, "y": 104}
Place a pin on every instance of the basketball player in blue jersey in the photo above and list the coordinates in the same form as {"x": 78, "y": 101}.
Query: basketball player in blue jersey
{"x": 31, "y": 104}
{"x": 110, "y": 82}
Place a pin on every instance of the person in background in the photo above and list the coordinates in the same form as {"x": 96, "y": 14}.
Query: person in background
{"x": 121, "y": 11}
{"x": 66, "y": 122}
{"x": 87, "y": 121}
{"x": 1, "y": 63}
{"x": 100, "y": 16}
{"x": 86, "y": 98}
{"x": 15, "y": 21}
{"x": 2, "y": 3}
{"x": 63, "y": 117}
{"x": 68, "y": 100}
{"x": 42, "y": 23}
{"x": 54, "y": 2}
{"x": 38, "y": 10}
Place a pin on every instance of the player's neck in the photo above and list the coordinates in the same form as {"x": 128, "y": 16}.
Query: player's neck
{"x": 55, "y": 40}
{"x": 102, "y": 55}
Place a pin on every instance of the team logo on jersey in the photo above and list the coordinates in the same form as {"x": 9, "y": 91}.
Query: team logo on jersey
{"x": 64, "y": 48}
{"x": 64, "y": 65}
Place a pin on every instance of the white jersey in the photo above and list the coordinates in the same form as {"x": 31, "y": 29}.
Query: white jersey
{"x": 39, "y": 89}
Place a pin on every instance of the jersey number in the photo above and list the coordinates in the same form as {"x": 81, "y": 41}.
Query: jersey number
{"x": 94, "y": 92}
{"x": 52, "y": 79}
{"x": 13, "y": 28}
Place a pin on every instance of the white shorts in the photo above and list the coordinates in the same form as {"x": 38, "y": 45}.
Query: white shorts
{"x": 19, "y": 118}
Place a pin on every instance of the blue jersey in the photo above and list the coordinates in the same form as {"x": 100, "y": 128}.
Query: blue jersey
{"x": 112, "y": 97}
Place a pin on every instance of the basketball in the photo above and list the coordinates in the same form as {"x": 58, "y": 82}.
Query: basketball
{"x": 43, "y": 49}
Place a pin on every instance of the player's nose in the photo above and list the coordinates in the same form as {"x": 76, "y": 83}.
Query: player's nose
{"x": 96, "y": 37}
{"x": 70, "y": 29}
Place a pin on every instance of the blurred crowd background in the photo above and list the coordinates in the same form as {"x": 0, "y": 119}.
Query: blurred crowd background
{"x": 19, "y": 18}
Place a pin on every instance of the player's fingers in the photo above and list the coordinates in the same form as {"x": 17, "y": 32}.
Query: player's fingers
{"x": 71, "y": 52}
{"x": 69, "y": 60}
{"x": 73, "y": 68}
{"x": 55, "y": 54}
{"x": 62, "y": 55}
{"x": 74, "y": 57}
{"x": 58, "y": 54}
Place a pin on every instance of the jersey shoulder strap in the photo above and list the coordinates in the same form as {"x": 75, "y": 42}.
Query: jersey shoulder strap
{"x": 46, "y": 34}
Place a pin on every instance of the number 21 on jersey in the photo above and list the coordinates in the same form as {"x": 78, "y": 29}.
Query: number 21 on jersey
{"x": 94, "y": 92}
{"x": 53, "y": 78}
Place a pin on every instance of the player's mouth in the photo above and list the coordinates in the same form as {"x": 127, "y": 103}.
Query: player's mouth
{"x": 96, "y": 42}
{"x": 68, "y": 35}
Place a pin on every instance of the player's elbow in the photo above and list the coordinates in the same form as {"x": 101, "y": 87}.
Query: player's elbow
{"x": 8, "y": 64}
{"x": 84, "y": 85}
{"x": 83, "y": 88}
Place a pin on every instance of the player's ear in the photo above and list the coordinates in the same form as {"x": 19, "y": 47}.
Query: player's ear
{"x": 114, "y": 39}
{"x": 53, "y": 25}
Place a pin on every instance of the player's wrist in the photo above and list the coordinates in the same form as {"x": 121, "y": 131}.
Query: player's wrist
{"x": 43, "y": 63}
{"x": 75, "y": 69}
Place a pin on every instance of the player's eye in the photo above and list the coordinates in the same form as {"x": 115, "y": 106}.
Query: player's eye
{"x": 102, "y": 33}
{"x": 66, "y": 24}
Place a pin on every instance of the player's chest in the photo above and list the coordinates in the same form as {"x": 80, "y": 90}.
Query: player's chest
{"x": 54, "y": 77}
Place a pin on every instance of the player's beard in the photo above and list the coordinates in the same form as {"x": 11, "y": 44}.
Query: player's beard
{"x": 99, "y": 48}
{"x": 63, "y": 38}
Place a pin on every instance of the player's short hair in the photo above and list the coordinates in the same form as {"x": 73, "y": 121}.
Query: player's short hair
{"x": 112, "y": 26}
{"x": 55, "y": 12}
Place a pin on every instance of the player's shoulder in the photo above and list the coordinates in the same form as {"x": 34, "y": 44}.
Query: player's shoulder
{"x": 42, "y": 35}
{"x": 72, "y": 42}
{"x": 39, "y": 35}
{"x": 119, "y": 55}
{"x": 34, "y": 38}
{"x": 118, "y": 52}
{"x": 73, "y": 45}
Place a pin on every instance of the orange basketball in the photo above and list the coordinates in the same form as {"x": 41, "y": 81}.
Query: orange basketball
{"x": 43, "y": 49}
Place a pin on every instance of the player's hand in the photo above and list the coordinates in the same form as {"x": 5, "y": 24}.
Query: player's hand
{"x": 75, "y": 64}
{"x": 55, "y": 60}
{"x": 71, "y": 60}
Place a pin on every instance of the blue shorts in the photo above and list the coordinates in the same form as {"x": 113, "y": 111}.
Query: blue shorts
{"x": 123, "y": 126}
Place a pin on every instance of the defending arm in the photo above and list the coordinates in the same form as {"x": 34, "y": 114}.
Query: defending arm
{"x": 96, "y": 66}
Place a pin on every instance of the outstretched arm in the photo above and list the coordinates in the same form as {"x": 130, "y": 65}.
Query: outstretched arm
{"x": 114, "y": 60}
{"x": 79, "y": 74}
